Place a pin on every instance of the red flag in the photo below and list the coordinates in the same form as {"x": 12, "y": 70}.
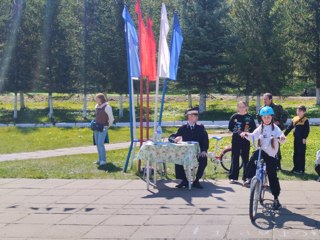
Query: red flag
{"x": 143, "y": 42}
{"x": 152, "y": 68}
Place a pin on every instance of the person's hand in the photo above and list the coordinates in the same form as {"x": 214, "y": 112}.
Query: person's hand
{"x": 277, "y": 123}
{"x": 243, "y": 134}
{"x": 203, "y": 154}
{"x": 178, "y": 139}
{"x": 282, "y": 138}
{"x": 304, "y": 141}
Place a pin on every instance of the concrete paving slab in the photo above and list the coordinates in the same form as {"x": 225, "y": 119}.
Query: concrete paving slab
{"x": 157, "y": 232}
{"x": 102, "y": 209}
{"x": 203, "y": 232}
{"x": 8, "y": 217}
{"x": 22, "y": 230}
{"x": 111, "y": 232}
{"x": 295, "y": 234}
{"x": 64, "y": 232}
{"x": 168, "y": 220}
{"x": 83, "y": 219}
{"x": 126, "y": 220}
{"x": 42, "y": 219}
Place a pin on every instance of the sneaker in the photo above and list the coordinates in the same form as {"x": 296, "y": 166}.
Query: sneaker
{"x": 246, "y": 183}
{"x": 276, "y": 204}
{"x": 183, "y": 184}
{"x": 232, "y": 181}
{"x": 298, "y": 172}
{"x": 196, "y": 184}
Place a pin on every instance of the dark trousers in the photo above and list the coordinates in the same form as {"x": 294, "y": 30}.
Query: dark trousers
{"x": 279, "y": 157}
{"x": 299, "y": 155}
{"x": 181, "y": 174}
{"x": 271, "y": 165}
{"x": 317, "y": 169}
{"x": 240, "y": 147}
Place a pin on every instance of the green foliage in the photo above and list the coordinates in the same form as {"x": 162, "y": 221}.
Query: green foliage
{"x": 259, "y": 58}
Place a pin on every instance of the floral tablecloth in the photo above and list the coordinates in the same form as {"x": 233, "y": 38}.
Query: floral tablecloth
{"x": 185, "y": 153}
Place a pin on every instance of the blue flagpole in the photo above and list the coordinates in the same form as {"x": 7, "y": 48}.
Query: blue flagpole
{"x": 164, "y": 89}
{"x": 130, "y": 102}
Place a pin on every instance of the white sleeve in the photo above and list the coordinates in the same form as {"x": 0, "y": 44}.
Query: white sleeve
{"x": 108, "y": 110}
{"x": 254, "y": 135}
{"x": 279, "y": 134}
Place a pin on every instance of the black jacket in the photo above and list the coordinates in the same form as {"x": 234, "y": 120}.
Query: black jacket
{"x": 198, "y": 134}
{"x": 241, "y": 123}
{"x": 301, "y": 128}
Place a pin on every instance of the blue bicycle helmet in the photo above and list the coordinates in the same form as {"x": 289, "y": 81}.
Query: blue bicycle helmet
{"x": 266, "y": 111}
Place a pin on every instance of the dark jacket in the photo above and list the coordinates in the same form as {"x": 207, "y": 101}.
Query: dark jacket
{"x": 241, "y": 123}
{"x": 301, "y": 128}
{"x": 198, "y": 134}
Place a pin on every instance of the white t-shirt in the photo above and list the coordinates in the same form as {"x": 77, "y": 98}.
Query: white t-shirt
{"x": 265, "y": 138}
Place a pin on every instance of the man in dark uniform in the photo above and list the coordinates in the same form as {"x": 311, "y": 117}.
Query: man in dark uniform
{"x": 280, "y": 118}
{"x": 192, "y": 132}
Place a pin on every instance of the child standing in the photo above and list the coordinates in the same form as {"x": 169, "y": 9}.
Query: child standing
{"x": 268, "y": 135}
{"x": 301, "y": 127}
{"x": 317, "y": 167}
{"x": 240, "y": 122}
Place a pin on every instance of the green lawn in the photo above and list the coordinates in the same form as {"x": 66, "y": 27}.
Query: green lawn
{"x": 68, "y": 108}
{"x": 16, "y": 139}
{"x": 82, "y": 166}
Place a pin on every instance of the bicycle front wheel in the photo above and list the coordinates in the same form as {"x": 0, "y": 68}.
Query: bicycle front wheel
{"x": 254, "y": 198}
{"x": 226, "y": 159}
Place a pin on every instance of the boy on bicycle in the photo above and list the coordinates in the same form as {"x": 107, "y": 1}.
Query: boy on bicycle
{"x": 268, "y": 135}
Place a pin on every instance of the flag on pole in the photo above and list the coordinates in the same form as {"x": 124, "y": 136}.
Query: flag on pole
{"x": 143, "y": 41}
{"x": 163, "y": 53}
{"x": 132, "y": 38}
{"x": 152, "y": 68}
{"x": 175, "y": 48}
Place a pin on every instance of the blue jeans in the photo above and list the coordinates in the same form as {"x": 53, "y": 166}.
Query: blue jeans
{"x": 99, "y": 138}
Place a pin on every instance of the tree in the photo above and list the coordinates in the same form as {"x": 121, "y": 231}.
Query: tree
{"x": 20, "y": 49}
{"x": 259, "y": 59}
{"x": 303, "y": 30}
{"x": 203, "y": 63}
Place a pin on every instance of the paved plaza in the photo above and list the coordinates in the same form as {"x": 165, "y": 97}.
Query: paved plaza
{"x": 124, "y": 209}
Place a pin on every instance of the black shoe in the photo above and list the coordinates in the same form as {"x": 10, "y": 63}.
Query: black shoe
{"x": 196, "y": 184}
{"x": 184, "y": 183}
{"x": 276, "y": 204}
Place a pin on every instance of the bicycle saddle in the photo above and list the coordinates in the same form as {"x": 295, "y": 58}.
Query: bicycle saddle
{"x": 217, "y": 138}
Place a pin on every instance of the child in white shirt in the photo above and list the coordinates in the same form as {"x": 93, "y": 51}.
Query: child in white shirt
{"x": 268, "y": 135}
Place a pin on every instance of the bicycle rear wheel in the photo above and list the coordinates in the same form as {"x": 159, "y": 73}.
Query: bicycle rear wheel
{"x": 226, "y": 159}
{"x": 254, "y": 198}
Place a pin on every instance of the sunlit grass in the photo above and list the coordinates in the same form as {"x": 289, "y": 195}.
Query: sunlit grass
{"x": 82, "y": 166}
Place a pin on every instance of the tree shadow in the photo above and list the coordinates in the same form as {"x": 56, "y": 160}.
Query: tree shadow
{"x": 282, "y": 218}
{"x": 109, "y": 167}
{"x": 209, "y": 190}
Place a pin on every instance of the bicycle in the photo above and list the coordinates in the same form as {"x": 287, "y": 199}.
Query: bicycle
{"x": 258, "y": 186}
{"x": 225, "y": 156}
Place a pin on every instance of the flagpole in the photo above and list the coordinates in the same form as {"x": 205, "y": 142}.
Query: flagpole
{"x": 164, "y": 89}
{"x": 155, "y": 120}
{"x": 148, "y": 110}
{"x": 130, "y": 103}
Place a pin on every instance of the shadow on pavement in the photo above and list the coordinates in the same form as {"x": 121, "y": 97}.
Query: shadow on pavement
{"x": 209, "y": 190}
{"x": 283, "y": 218}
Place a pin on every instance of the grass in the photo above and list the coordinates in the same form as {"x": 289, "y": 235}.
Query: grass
{"x": 68, "y": 108}
{"x": 15, "y": 139}
{"x": 67, "y": 167}
{"x": 81, "y": 166}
